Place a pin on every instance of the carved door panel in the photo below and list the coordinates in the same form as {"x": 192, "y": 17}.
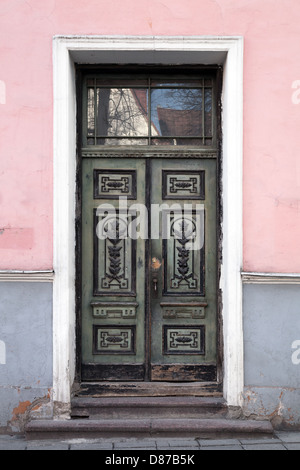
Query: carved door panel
{"x": 149, "y": 301}
{"x": 183, "y": 288}
{"x": 113, "y": 271}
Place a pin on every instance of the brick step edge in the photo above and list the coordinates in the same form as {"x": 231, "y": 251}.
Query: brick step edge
{"x": 40, "y": 429}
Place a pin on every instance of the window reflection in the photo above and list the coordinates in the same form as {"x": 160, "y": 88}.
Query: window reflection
{"x": 171, "y": 113}
{"x": 177, "y": 112}
{"x": 122, "y": 112}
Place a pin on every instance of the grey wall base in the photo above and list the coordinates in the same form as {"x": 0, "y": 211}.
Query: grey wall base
{"x": 271, "y": 326}
{"x": 26, "y": 363}
{"x": 272, "y": 377}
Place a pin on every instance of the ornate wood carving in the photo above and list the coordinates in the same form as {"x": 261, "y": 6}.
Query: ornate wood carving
{"x": 111, "y": 184}
{"x": 183, "y": 184}
{"x": 182, "y": 310}
{"x": 184, "y": 267}
{"x": 183, "y": 273}
{"x": 124, "y": 310}
{"x": 114, "y": 340}
{"x": 115, "y": 259}
{"x": 188, "y": 340}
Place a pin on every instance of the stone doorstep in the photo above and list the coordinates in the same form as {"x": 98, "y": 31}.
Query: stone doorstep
{"x": 148, "y": 407}
{"x": 198, "y": 428}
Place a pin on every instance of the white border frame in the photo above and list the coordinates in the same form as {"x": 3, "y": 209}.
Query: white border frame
{"x": 64, "y": 199}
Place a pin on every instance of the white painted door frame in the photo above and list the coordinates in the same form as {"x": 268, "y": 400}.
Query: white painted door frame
{"x": 67, "y": 49}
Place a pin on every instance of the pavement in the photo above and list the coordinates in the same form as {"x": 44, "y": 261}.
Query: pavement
{"x": 279, "y": 441}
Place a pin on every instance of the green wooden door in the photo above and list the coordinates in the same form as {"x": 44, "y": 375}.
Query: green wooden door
{"x": 113, "y": 272}
{"x": 183, "y": 290}
{"x": 149, "y": 308}
{"x": 149, "y": 145}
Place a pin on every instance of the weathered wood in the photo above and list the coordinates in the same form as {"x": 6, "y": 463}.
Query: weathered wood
{"x": 115, "y": 372}
{"x": 149, "y": 389}
{"x": 179, "y": 372}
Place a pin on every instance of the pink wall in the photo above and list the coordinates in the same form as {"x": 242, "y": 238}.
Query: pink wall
{"x": 271, "y": 119}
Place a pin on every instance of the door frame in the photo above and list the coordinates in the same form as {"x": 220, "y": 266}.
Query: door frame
{"x": 68, "y": 50}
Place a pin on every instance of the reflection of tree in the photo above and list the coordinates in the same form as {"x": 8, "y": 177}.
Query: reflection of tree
{"x": 184, "y": 99}
{"x": 123, "y": 112}
{"x": 103, "y": 98}
{"x": 120, "y": 113}
{"x": 180, "y": 111}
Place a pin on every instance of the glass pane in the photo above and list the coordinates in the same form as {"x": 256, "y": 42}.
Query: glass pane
{"x": 91, "y": 113}
{"x": 122, "y": 112}
{"x": 125, "y": 141}
{"x": 208, "y": 112}
{"x": 176, "y": 112}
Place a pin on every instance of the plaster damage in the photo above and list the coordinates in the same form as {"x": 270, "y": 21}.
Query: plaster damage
{"x": 275, "y": 404}
{"x": 25, "y": 410}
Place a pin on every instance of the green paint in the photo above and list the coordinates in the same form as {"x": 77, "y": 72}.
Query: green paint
{"x": 113, "y": 287}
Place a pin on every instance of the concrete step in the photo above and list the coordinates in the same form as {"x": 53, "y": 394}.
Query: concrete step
{"x": 148, "y": 407}
{"x": 96, "y": 428}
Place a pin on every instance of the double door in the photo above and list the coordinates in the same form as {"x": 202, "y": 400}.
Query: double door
{"x": 149, "y": 277}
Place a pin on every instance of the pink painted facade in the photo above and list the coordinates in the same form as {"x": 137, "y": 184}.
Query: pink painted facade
{"x": 271, "y": 115}
{"x": 39, "y": 320}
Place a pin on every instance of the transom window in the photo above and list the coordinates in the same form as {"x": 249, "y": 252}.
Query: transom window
{"x": 149, "y": 111}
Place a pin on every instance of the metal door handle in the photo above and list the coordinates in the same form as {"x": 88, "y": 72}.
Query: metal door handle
{"x": 155, "y": 267}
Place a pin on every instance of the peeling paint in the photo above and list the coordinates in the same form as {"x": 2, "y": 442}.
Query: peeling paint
{"x": 39, "y": 408}
{"x": 20, "y": 409}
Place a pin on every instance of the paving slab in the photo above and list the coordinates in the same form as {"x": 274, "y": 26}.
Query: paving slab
{"x": 90, "y": 446}
{"x": 177, "y": 442}
{"x": 264, "y": 447}
{"x": 47, "y": 445}
{"x": 218, "y": 442}
{"x": 263, "y": 440}
{"x": 188, "y": 450}
{"x": 135, "y": 444}
{"x": 222, "y": 448}
{"x": 12, "y": 443}
{"x": 292, "y": 446}
{"x": 288, "y": 436}
{"x": 280, "y": 441}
